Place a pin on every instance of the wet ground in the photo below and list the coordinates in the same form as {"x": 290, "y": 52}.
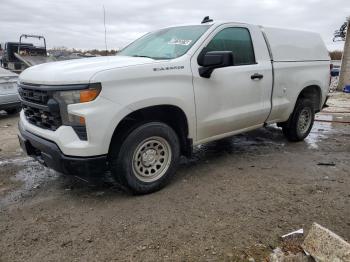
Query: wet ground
{"x": 231, "y": 201}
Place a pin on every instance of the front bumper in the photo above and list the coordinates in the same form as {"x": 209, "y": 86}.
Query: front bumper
{"x": 101, "y": 117}
{"x": 49, "y": 154}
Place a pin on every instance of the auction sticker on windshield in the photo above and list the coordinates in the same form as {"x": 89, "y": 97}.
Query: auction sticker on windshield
{"x": 179, "y": 42}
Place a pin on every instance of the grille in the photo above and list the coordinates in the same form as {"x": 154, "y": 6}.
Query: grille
{"x": 36, "y": 96}
{"x": 42, "y": 118}
{"x": 35, "y": 106}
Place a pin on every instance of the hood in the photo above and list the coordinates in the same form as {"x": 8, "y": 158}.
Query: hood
{"x": 78, "y": 70}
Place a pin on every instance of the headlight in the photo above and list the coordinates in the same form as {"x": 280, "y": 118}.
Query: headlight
{"x": 78, "y": 96}
{"x": 65, "y": 98}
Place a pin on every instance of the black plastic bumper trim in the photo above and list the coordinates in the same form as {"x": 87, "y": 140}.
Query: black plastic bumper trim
{"x": 48, "y": 153}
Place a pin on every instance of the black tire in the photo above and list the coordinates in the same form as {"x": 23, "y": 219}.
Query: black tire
{"x": 12, "y": 111}
{"x": 292, "y": 129}
{"x": 128, "y": 172}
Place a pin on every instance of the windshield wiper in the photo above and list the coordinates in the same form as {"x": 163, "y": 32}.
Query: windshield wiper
{"x": 154, "y": 58}
{"x": 143, "y": 56}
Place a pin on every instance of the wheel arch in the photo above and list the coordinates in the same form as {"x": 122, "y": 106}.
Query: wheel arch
{"x": 314, "y": 93}
{"x": 169, "y": 114}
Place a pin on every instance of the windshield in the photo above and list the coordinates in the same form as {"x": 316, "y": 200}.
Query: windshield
{"x": 166, "y": 43}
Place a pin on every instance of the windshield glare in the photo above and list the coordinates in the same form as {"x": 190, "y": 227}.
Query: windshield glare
{"x": 166, "y": 43}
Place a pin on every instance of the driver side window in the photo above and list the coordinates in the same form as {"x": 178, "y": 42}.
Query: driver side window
{"x": 237, "y": 40}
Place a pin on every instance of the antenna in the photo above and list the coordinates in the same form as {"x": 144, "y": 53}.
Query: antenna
{"x": 207, "y": 19}
{"x": 104, "y": 23}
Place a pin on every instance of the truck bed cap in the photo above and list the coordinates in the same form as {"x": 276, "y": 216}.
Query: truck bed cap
{"x": 289, "y": 45}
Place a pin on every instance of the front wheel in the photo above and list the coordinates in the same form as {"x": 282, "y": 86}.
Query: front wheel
{"x": 147, "y": 159}
{"x": 300, "y": 122}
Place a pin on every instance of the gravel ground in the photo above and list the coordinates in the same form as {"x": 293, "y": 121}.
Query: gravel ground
{"x": 231, "y": 201}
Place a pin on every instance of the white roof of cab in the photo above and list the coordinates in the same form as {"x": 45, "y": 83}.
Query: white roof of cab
{"x": 217, "y": 23}
{"x": 287, "y": 44}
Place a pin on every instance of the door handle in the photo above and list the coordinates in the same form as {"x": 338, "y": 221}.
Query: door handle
{"x": 256, "y": 76}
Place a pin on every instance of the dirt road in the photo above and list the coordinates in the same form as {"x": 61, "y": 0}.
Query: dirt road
{"x": 231, "y": 201}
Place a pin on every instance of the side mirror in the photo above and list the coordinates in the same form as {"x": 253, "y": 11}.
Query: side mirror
{"x": 212, "y": 60}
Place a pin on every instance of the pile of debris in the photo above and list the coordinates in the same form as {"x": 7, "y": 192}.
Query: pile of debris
{"x": 320, "y": 245}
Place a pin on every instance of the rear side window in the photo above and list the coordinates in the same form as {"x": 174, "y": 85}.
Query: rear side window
{"x": 237, "y": 40}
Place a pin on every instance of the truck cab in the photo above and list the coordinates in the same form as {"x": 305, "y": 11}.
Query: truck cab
{"x": 134, "y": 114}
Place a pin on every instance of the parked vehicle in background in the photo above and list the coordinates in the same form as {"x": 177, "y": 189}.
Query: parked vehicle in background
{"x": 18, "y": 56}
{"x": 335, "y": 67}
{"x": 9, "y": 60}
{"x": 136, "y": 113}
{"x": 9, "y": 99}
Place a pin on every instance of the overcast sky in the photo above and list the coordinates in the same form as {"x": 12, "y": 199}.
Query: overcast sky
{"x": 79, "y": 23}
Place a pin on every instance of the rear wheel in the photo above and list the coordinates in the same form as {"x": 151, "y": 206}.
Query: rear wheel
{"x": 300, "y": 122}
{"x": 147, "y": 159}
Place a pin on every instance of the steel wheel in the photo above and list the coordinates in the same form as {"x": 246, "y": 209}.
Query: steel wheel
{"x": 304, "y": 120}
{"x": 151, "y": 159}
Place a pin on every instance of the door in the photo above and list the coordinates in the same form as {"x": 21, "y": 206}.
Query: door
{"x": 230, "y": 100}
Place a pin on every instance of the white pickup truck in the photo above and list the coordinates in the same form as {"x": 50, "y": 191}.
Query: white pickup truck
{"x": 135, "y": 113}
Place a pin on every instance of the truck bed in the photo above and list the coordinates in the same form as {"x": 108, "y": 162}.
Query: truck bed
{"x": 34, "y": 60}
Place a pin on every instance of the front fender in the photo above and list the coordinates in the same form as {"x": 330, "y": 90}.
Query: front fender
{"x": 142, "y": 86}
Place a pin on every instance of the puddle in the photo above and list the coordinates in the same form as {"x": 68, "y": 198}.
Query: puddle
{"x": 334, "y": 116}
{"x": 32, "y": 177}
{"x": 325, "y": 125}
{"x": 16, "y": 161}
{"x": 319, "y": 132}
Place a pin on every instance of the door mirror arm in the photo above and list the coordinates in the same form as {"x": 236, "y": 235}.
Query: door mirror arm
{"x": 209, "y": 61}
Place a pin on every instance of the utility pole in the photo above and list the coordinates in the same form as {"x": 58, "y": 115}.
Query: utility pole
{"x": 104, "y": 24}
{"x": 344, "y": 78}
